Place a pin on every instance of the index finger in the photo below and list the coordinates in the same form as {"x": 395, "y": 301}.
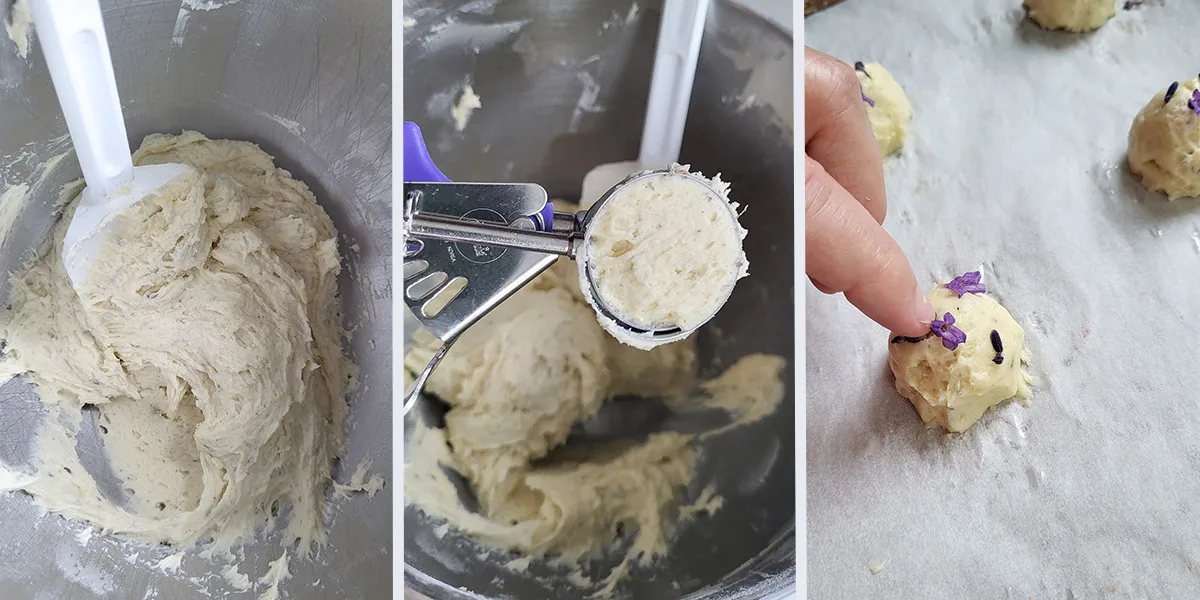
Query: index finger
{"x": 847, "y": 251}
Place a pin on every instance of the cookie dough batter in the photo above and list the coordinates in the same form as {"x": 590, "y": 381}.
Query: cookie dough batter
{"x": 663, "y": 252}
{"x": 515, "y": 384}
{"x": 971, "y": 362}
{"x": 468, "y": 101}
{"x": 887, "y": 106}
{"x": 19, "y": 25}
{"x": 1164, "y": 141}
{"x": 209, "y": 340}
{"x": 1072, "y": 15}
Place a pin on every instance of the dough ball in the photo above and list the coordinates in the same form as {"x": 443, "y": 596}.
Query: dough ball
{"x": 516, "y": 383}
{"x": 1164, "y": 142}
{"x": 522, "y": 376}
{"x": 888, "y": 107}
{"x": 953, "y": 388}
{"x": 1072, "y": 15}
{"x": 662, "y": 252}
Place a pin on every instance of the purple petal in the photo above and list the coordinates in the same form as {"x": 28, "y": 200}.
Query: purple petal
{"x": 958, "y": 335}
{"x": 867, "y": 100}
{"x": 949, "y": 319}
{"x": 949, "y": 344}
{"x": 967, "y": 283}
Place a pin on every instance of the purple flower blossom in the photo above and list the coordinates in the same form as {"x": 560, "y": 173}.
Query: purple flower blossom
{"x": 967, "y": 283}
{"x": 1194, "y": 103}
{"x": 945, "y": 329}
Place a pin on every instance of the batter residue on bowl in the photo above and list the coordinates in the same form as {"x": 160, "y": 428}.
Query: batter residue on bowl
{"x": 516, "y": 383}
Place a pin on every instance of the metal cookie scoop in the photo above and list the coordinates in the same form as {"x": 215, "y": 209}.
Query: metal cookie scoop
{"x": 470, "y": 246}
{"x": 533, "y": 232}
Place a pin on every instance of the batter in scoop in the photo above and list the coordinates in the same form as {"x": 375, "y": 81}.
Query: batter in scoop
{"x": 208, "y": 336}
{"x": 663, "y": 252}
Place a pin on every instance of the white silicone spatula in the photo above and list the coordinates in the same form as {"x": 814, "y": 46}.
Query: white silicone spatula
{"x": 679, "y": 34}
{"x": 72, "y": 38}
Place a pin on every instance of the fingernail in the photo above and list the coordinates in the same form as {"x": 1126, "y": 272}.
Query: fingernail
{"x": 924, "y": 308}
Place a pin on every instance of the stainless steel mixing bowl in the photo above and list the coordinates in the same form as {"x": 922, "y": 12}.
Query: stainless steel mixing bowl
{"x": 309, "y": 81}
{"x": 563, "y": 88}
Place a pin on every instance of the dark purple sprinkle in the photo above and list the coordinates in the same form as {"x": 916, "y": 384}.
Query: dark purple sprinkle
{"x": 1132, "y": 4}
{"x": 858, "y": 66}
{"x": 911, "y": 340}
{"x": 996, "y": 344}
{"x": 999, "y": 359}
{"x": 1171, "y": 91}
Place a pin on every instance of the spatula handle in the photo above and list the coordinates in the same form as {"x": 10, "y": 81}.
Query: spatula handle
{"x": 73, "y": 41}
{"x": 675, "y": 56}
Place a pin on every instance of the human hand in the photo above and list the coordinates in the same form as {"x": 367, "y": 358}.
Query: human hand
{"x": 846, "y": 247}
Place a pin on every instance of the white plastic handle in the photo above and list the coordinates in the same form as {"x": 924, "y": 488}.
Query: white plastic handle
{"x": 71, "y": 34}
{"x": 675, "y": 58}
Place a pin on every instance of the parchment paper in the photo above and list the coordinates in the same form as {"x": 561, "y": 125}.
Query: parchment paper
{"x": 1016, "y": 166}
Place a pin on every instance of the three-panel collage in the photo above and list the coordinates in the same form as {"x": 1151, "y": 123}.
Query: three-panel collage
{"x": 521, "y": 299}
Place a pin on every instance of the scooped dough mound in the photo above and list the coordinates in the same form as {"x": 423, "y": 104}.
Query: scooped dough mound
{"x": 663, "y": 252}
{"x": 1072, "y": 15}
{"x": 1164, "y": 142}
{"x": 208, "y": 338}
{"x": 888, "y": 108}
{"x": 515, "y": 384}
{"x": 953, "y": 388}
{"x": 532, "y": 372}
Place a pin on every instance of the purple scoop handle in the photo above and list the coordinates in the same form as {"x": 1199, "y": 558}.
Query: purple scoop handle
{"x": 545, "y": 218}
{"x": 418, "y": 166}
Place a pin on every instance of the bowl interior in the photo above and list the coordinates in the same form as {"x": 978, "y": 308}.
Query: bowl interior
{"x": 563, "y": 88}
{"x": 321, "y": 104}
